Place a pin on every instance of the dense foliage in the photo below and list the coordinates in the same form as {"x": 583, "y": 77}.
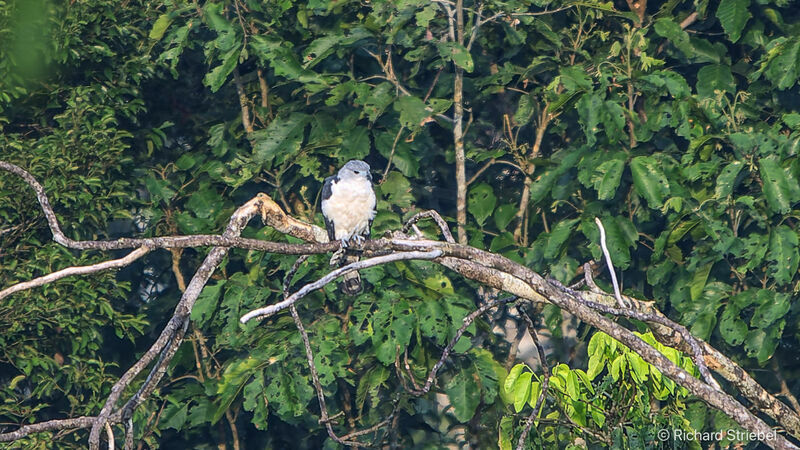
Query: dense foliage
{"x": 677, "y": 123}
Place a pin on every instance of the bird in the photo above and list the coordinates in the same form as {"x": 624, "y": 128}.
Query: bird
{"x": 348, "y": 206}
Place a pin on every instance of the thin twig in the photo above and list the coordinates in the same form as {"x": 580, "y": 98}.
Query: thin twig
{"x": 391, "y": 154}
{"x": 324, "y": 418}
{"x": 448, "y": 236}
{"x": 622, "y": 303}
{"x": 446, "y": 352}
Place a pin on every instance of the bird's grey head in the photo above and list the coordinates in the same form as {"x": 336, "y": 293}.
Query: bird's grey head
{"x": 354, "y": 169}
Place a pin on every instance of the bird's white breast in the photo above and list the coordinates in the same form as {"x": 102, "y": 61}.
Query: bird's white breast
{"x": 350, "y": 207}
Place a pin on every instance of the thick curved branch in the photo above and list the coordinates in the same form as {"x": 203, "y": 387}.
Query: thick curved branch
{"x": 172, "y": 334}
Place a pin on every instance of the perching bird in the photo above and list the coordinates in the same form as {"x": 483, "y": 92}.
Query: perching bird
{"x": 348, "y": 205}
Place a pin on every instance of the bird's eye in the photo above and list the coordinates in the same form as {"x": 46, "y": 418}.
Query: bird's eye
{"x": 356, "y": 172}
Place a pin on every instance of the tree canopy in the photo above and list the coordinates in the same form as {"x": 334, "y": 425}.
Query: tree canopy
{"x": 521, "y": 122}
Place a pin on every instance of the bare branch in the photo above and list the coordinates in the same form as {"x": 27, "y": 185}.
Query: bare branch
{"x": 172, "y": 334}
{"x": 267, "y": 311}
{"x": 391, "y": 154}
{"x": 610, "y": 265}
{"x": 446, "y": 352}
{"x": 50, "y": 425}
{"x": 110, "y": 437}
{"x": 80, "y": 270}
{"x": 448, "y": 236}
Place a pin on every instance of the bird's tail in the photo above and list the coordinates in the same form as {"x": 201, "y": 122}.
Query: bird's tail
{"x": 351, "y": 282}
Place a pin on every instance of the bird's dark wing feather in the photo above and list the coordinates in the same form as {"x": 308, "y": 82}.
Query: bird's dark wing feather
{"x": 327, "y": 190}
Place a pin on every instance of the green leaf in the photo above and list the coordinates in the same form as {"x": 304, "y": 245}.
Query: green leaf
{"x": 783, "y": 70}
{"x": 698, "y": 283}
{"x": 669, "y": 29}
{"x": 780, "y": 187}
{"x": 731, "y": 326}
{"x": 506, "y": 434}
{"x": 606, "y": 178}
{"x": 761, "y": 343}
{"x": 773, "y": 306}
{"x": 558, "y": 236}
{"x": 522, "y": 391}
{"x": 282, "y": 137}
{"x": 397, "y": 189}
{"x": 319, "y": 49}
{"x": 511, "y": 379}
{"x": 733, "y": 16}
{"x": 783, "y": 252}
{"x": 464, "y": 394}
{"x": 206, "y": 303}
{"x": 649, "y": 181}
{"x": 504, "y": 214}
{"x": 727, "y": 179}
{"x": 216, "y": 78}
{"x": 714, "y": 77}
{"x": 458, "y": 54}
{"x": 355, "y": 145}
{"x": 158, "y": 189}
{"x": 536, "y": 390}
{"x": 481, "y": 202}
{"x": 160, "y": 27}
{"x": 412, "y": 111}
{"x": 174, "y": 416}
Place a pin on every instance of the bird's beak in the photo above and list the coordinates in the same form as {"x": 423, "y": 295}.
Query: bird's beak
{"x": 369, "y": 176}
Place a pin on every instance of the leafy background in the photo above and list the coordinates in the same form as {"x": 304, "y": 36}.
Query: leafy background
{"x": 678, "y": 125}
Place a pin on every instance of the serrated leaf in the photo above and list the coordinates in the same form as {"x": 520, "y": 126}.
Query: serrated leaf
{"x": 606, "y": 178}
{"x": 216, "y": 78}
{"x": 649, "y": 181}
{"x": 780, "y": 186}
{"x": 726, "y": 179}
{"x": 783, "y": 252}
{"x": 714, "y": 77}
{"x": 733, "y": 16}
{"x": 280, "y": 138}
